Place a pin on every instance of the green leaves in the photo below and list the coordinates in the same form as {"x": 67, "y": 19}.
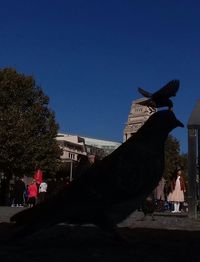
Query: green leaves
{"x": 173, "y": 157}
{"x": 27, "y": 126}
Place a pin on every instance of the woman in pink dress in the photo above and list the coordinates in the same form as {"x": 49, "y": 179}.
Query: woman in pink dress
{"x": 178, "y": 189}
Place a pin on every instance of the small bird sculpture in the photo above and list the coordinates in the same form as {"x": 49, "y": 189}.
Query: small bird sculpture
{"x": 160, "y": 98}
{"x": 110, "y": 189}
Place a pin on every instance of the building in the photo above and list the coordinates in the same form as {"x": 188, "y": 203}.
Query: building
{"x": 74, "y": 146}
{"x": 137, "y": 117}
{"x": 99, "y": 146}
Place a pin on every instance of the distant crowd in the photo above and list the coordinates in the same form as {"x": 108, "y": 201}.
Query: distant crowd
{"x": 168, "y": 196}
{"x": 22, "y": 195}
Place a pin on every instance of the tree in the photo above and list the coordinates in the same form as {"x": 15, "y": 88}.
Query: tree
{"x": 173, "y": 158}
{"x": 28, "y": 127}
{"x": 172, "y": 150}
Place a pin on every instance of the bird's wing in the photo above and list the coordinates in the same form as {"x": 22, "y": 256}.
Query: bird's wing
{"x": 148, "y": 102}
{"x": 168, "y": 90}
{"x": 144, "y": 93}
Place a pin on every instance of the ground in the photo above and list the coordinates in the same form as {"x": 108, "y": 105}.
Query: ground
{"x": 88, "y": 243}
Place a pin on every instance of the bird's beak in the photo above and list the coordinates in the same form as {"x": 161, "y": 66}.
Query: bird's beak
{"x": 179, "y": 123}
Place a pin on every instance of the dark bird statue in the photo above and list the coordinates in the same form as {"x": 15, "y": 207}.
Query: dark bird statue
{"x": 111, "y": 189}
{"x": 160, "y": 98}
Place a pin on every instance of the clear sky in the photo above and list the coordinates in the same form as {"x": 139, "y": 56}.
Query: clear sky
{"x": 90, "y": 56}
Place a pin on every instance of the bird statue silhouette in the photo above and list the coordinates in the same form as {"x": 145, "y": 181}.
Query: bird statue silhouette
{"x": 160, "y": 98}
{"x": 112, "y": 188}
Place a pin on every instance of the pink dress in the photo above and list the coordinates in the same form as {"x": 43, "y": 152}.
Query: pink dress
{"x": 177, "y": 195}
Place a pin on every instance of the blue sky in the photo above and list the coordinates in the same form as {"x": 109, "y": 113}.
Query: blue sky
{"x": 90, "y": 57}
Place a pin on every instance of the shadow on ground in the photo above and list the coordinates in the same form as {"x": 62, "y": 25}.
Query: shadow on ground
{"x": 68, "y": 243}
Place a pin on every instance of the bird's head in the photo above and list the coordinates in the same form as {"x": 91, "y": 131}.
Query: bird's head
{"x": 163, "y": 121}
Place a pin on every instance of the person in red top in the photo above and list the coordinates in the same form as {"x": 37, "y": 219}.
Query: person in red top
{"x": 32, "y": 193}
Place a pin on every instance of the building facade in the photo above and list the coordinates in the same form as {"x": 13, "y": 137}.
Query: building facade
{"x": 72, "y": 146}
{"x": 104, "y": 147}
{"x": 137, "y": 117}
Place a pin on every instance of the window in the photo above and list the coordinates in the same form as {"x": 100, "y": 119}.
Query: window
{"x": 72, "y": 156}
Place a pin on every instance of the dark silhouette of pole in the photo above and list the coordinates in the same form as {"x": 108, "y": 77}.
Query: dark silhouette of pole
{"x": 192, "y": 207}
{"x": 198, "y": 167}
{"x": 193, "y": 159}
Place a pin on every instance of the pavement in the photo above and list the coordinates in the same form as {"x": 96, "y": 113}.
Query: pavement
{"x": 162, "y": 220}
{"x": 170, "y": 237}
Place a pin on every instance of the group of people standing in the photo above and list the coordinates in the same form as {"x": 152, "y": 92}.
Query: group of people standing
{"x": 167, "y": 196}
{"x": 36, "y": 192}
{"x": 28, "y": 195}
{"x": 175, "y": 195}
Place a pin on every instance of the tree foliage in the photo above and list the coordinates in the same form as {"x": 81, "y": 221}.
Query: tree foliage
{"x": 28, "y": 127}
{"x": 173, "y": 158}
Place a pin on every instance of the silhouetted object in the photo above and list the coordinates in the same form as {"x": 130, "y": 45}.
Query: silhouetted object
{"x": 148, "y": 207}
{"x": 19, "y": 189}
{"x": 3, "y": 191}
{"x": 82, "y": 167}
{"x": 112, "y": 188}
{"x": 160, "y": 98}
